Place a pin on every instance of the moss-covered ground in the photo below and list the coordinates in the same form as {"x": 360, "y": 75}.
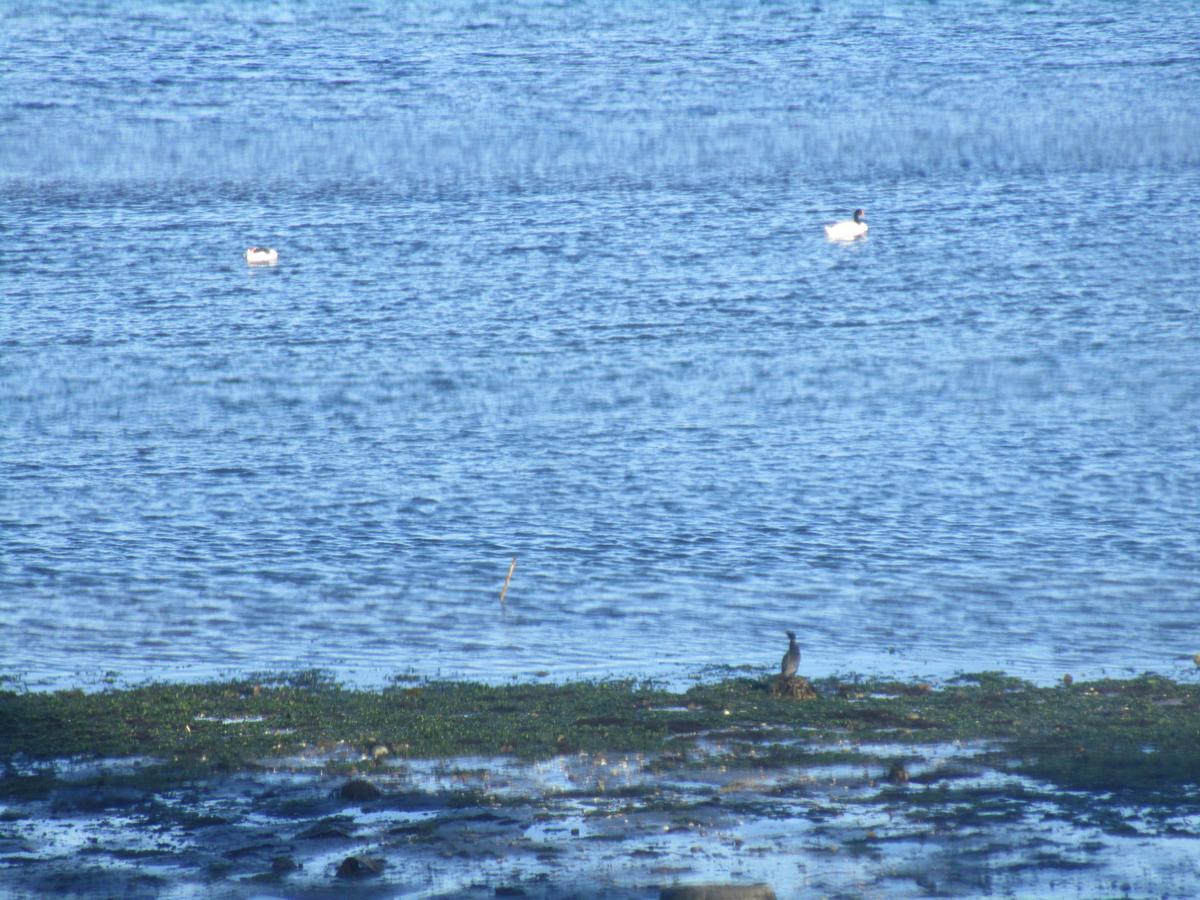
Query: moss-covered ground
{"x": 1141, "y": 733}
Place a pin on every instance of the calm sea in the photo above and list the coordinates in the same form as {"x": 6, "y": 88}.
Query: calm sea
{"x": 552, "y": 284}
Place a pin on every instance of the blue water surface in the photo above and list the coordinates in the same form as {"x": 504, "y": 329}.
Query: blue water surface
{"x": 553, "y": 284}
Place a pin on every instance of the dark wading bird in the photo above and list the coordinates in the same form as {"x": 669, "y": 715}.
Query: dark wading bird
{"x": 791, "y": 659}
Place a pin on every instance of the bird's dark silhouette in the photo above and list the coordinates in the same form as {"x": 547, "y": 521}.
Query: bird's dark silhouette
{"x": 791, "y": 659}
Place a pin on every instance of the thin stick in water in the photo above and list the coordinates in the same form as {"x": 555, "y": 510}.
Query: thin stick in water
{"x": 511, "y": 568}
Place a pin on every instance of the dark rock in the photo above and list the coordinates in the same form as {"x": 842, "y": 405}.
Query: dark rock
{"x": 250, "y": 849}
{"x": 329, "y": 828}
{"x": 281, "y": 865}
{"x": 193, "y": 822}
{"x": 99, "y": 799}
{"x": 358, "y": 791}
{"x": 359, "y": 867}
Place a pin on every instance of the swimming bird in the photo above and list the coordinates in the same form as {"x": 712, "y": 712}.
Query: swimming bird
{"x": 261, "y": 256}
{"x": 791, "y": 659}
{"x": 848, "y": 229}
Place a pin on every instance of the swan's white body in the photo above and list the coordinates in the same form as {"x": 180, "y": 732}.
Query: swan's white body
{"x": 261, "y": 256}
{"x": 848, "y": 229}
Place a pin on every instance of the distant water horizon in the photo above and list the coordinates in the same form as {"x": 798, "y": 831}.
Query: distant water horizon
{"x": 553, "y": 284}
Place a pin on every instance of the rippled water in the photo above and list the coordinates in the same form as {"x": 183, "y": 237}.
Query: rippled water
{"x": 553, "y": 284}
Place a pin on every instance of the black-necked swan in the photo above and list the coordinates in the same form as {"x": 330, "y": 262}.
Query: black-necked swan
{"x": 261, "y": 256}
{"x": 848, "y": 229}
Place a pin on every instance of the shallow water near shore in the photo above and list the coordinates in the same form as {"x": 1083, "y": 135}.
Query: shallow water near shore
{"x": 598, "y": 827}
{"x": 553, "y": 285}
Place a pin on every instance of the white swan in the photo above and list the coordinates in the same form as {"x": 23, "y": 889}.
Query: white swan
{"x": 848, "y": 229}
{"x": 261, "y": 256}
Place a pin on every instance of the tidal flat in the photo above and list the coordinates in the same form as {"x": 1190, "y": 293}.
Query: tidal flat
{"x": 295, "y": 785}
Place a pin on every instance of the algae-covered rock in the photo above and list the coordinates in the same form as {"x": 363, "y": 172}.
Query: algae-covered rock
{"x": 793, "y": 687}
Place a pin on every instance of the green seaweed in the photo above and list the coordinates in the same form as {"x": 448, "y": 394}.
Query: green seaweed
{"x": 1112, "y": 735}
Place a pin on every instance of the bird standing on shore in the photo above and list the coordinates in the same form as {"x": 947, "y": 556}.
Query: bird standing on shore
{"x": 791, "y": 659}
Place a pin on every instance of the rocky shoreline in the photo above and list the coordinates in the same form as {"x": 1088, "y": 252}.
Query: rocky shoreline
{"x": 299, "y": 786}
